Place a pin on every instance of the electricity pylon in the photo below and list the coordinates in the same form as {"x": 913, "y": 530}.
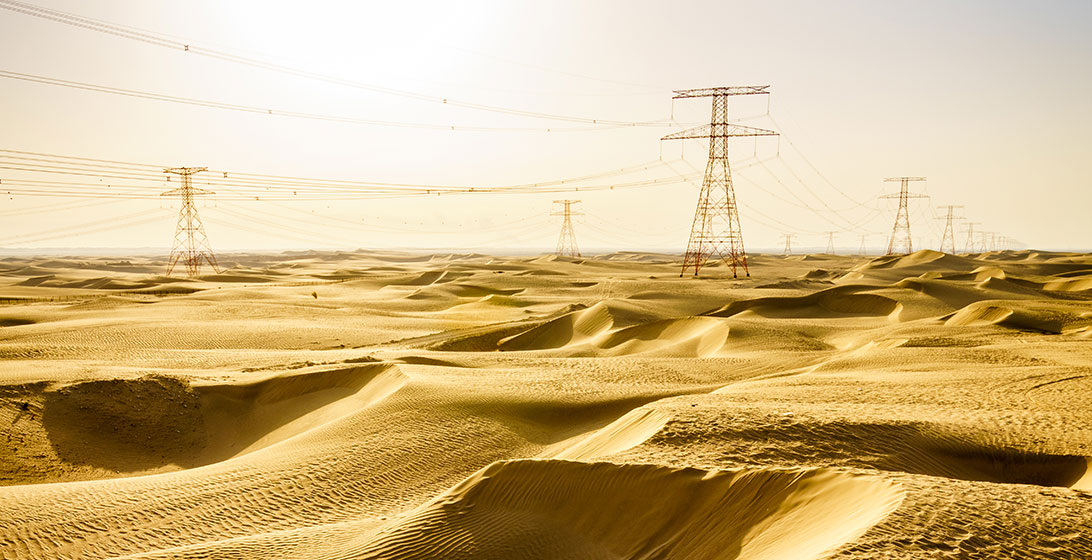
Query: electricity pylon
{"x": 715, "y": 230}
{"x": 566, "y": 242}
{"x": 948, "y": 239}
{"x": 983, "y": 241}
{"x": 969, "y": 247}
{"x": 788, "y": 243}
{"x": 830, "y": 242}
{"x": 990, "y": 240}
{"x": 900, "y": 233}
{"x": 191, "y": 245}
{"x": 862, "y": 251}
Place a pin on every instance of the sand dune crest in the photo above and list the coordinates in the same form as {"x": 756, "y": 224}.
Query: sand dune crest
{"x": 568, "y": 329}
{"x": 93, "y": 423}
{"x": 832, "y": 302}
{"x": 561, "y": 509}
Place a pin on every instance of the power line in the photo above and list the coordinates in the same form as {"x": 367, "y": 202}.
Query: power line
{"x": 777, "y": 224}
{"x": 252, "y": 184}
{"x": 285, "y": 113}
{"x": 650, "y": 89}
{"x": 85, "y": 228}
{"x": 93, "y": 190}
{"x": 810, "y": 164}
{"x": 165, "y": 41}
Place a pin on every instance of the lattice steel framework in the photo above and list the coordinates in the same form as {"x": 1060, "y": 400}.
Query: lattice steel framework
{"x": 191, "y": 244}
{"x": 788, "y": 243}
{"x": 947, "y": 241}
{"x": 987, "y": 241}
{"x": 566, "y": 242}
{"x": 900, "y": 233}
{"x": 715, "y": 230}
{"x": 830, "y": 242}
{"x": 969, "y": 246}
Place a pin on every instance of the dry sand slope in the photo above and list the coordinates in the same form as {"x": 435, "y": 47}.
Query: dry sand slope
{"x": 385, "y": 405}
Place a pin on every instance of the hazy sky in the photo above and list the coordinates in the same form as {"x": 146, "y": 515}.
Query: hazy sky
{"x": 989, "y": 100}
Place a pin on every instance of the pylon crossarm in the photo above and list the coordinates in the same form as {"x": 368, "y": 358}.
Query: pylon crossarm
{"x": 908, "y": 195}
{"x": 719, "y": 131}
{"x": 181, "y": 191}
{"x": 729, "y": 90}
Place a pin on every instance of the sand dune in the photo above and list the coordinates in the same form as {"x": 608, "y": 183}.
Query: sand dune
{"x": 628, "y": 431}
{"x": 1052, "y": 317}
{"x": 571, "y": 328}
{"x": 692, "y": 337}
{"x": 94, "y": 423}
{"x": 431, "y": 277}
{"x": 362, "y": 404}
{"x": 832, "y": 302}
{"x": 528, "y": 509}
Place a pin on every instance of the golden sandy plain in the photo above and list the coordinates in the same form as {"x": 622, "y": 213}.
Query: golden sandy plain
{"x": 386, "y": 405}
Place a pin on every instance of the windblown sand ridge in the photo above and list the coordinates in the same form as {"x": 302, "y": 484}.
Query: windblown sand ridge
{"x": 571, "y": 510}
{"x": 383, "y": 405}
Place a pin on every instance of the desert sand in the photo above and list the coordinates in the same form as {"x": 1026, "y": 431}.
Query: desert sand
{"x": 363, "y": 404}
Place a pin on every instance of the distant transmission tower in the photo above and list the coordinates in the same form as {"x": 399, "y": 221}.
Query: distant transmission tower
{"x": 900, "y": 233}
{"x": 862, "y": 250}
{"x": 969, "y": 247}
{"x": 788, "y": 243}
{"x": 947, "y": 241}
{"x": 983, "y": 241}
{"x": 830, "y": 242}
{"x": 191, "y": 245}
{"x": 989, "y": 241}
{"x": 566, "y": 243}
{"x": 715, "y": 230}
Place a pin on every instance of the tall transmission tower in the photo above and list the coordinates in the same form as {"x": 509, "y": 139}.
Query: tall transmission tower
{"x": 191, "y": 244}
{"x": 947, "y": 241}
{"x": 991, "y": 240}
{"x": 566, "y": 242}
{"x": 830, "y": 242}
{"x": 983, "y": 241}
{"x": 715, "y": 230}
{"x": 862, "y": 250}
{"x": 969, "y": 247}
{"x": 900, "y": 233}
{"x": 788, "y": 243}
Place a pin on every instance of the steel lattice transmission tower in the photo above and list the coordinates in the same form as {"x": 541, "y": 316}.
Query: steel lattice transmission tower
{"x": 969, "y": 247}
{"x": 948, "y": 239}
{"x": 788, "y": 243}
{"x": 715, "y": 231}
{"x": 566, "y": 242}
{"x": 830, "y": 242}
{"x": 986, "y": 240}
{"x": 191, "y": 244}
{"x": 900, "y": 233}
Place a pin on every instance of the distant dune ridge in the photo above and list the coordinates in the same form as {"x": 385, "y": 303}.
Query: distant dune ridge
{"x": 387, "y": 405}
